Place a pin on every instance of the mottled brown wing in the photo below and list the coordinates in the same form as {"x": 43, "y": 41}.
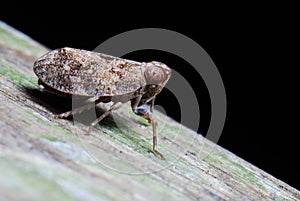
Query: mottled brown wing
{"x": 87, "y": 73}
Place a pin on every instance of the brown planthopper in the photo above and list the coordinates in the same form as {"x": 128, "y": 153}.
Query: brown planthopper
{"x": 104, "y": 78}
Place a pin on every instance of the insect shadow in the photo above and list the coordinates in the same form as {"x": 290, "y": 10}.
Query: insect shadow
{"x": 57, "y": 104}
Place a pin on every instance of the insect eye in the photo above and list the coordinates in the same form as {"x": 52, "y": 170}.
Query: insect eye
{"x": 154, "y": 75}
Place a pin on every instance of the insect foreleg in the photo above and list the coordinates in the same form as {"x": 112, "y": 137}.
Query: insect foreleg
{"x": 152, "y": 104}
{"x": 148, "y": 115}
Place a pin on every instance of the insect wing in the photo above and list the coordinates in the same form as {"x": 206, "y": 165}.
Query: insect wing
{"x": 86, "y": 73}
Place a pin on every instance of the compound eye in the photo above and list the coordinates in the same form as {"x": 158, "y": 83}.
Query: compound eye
{"x": 154, "y": 75}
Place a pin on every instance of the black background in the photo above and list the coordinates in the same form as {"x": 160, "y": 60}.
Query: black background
{"x": 253, "y": 50}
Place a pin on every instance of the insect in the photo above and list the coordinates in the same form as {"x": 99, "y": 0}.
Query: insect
{"x": 104, "y": 78}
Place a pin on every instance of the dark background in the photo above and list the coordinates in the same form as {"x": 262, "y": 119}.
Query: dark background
{"x": 253, "y": 50}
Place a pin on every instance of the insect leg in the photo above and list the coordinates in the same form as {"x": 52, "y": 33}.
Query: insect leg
{"x": 152, "y": 104}
{"x": 75, "y": 111}
{"x": 115, "y": 106}
{"x": 148, "y": 115}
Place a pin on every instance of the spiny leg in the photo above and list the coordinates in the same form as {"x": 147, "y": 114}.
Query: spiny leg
{"x": 75, "y": 111}
{"x": 148, "y": 115}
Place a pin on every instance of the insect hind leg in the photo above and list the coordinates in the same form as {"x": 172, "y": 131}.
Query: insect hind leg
{"x": 91, "y": 104}
{"x": 75, "y": 111}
